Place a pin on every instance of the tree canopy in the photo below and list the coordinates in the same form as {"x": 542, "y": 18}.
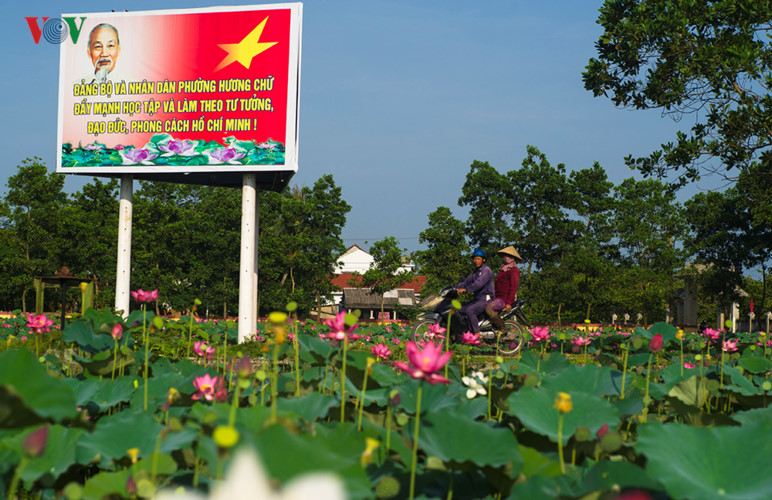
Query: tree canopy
{"x": 710, "y": 60}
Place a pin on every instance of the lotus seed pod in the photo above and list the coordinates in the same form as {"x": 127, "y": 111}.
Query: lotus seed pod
{"x": 582, "y": 434}
{"x": 611, "y": 442}
{"x": 387, "y": 487}
{"x": 637, "y": 343}
{"x": 531, "y": 380}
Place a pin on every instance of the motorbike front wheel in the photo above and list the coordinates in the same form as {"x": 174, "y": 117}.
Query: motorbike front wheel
{"x": 421, "y": 330}
{"x": 512, "y": 340}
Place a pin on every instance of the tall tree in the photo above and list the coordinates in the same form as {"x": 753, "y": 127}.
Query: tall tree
{"x": 445, "y": 259}
{"x": 486, "y": 193}
{"x": 89, "y": 234}
{"x": 712, "y": 60}
{"x": 650, "y": 227}
{"x": 300, "y": 243}
{"x": 384, "y": 275}
{"x": 32, "y": 222}
{"x": 537, "y": 207}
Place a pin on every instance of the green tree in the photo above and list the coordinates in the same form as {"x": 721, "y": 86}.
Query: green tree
{"x": 537, "y": 206}
{"x": 89, "y": 234}
{"x": 300, "y": 243}
{"x": 31, "y": 219}
{"x": 486, "y": 193}
{"x": 445, "y": 259}
{"x": 384, "y": 275}
{"x": 650, "y": 227}
{"x": 706, "y": 59}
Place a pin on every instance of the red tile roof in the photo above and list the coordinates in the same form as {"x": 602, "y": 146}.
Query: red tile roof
{"x": 341, "y": 280}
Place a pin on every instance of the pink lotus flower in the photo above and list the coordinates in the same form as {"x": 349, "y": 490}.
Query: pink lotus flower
{"x": 205, "y": 385}
{"x": 39, "y": 323}
{"x": 471, "y": 338}
{"x": 540, "y": 333}
{"x": 145, "y": 297}
{"x": 396, "y": 341}
{"x": 380, "y": 351}
{"x": 435, "y": 331}
{"x": 580, "y": 341}
{"x": 203, "y": 350}
{"x": 729, "y": 346}
{"x": 338, "y": 328}
{"x": 711, "y": 334}
{"x": 425, "y": 363}
{"x": 689, "y": 365}
{"x": 117, "y": 331}
{"x": 259, "y": 338}
{"x": 656, "y": 343}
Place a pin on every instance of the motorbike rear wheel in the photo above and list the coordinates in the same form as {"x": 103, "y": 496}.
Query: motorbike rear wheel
{"x": 512, "y": 340}
{"x": 421, "y": 329}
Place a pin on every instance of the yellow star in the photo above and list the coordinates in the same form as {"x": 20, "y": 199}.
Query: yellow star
{"x": 246, "y": 49}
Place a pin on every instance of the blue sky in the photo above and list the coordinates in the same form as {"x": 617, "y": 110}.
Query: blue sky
{"x": 397, "y": 99}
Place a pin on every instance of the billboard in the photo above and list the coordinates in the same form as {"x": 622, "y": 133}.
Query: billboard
{"x": 194, "y": 95}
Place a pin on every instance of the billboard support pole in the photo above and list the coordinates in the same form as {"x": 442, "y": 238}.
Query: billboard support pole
{"x": 248, "y": 263}
{"x": 123, "y": 271}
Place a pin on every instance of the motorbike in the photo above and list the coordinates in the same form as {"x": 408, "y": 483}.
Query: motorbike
{"x": 511, "y": 340}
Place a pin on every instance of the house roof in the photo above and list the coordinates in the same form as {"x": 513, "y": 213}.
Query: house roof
{"x": 342, "y": 281}
{"x": 354, "y": 298}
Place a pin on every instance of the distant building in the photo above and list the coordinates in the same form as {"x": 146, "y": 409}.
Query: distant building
{"x": 356, "y": 260}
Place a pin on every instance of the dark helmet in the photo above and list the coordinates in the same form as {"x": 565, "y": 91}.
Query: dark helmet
{"x": 479, "y": 252}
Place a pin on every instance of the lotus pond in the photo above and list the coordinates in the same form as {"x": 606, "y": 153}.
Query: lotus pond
{"x": 147, "y": 407}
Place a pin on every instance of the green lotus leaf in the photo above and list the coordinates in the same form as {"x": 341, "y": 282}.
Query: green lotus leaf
{"x": 82, "y": 333}
{"x": 592, "y": 379}
{"x": 755, "y": 364}
{"x": 536, "y": 463}
{"x": 28, "y": 393}
{"x": 453, "y": 437}
{"x": 114, "y": 435}
{"x": 729, "y": 463}
{"x": 179, "y": 440}
{"x": 311, "y": 407}
{"x": 735, "y": 381}
{"x": 105, "y": 484}
{"x": 692, "y": 391}
{"x": 530, "y": 360}
{"x": 607, "y": 475}
{"x": 105, "y": 394}
{"x": 534, "y": 408}
{"x": 57, "y": 457}
{"x": 544, "y": 488}
{"x": 336, "y": 448}
{"x": 158, "y": 463}
{"x": 755, "y": 416}
{"x": 433, "y": 397}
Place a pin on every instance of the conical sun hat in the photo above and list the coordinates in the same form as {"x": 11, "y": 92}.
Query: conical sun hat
{"x": 510, "y": 250}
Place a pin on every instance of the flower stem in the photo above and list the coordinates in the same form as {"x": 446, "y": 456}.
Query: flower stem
{"x": 624, "y": 371}
{"x": 190, "y": 334}
{"x": 560, "y": 444}
{"x": 115, "y": 359}
{"x": 343, "y": 381}
{"x": 274, "y": 382}
{"x": 17, "y": 477}
{"x": 146, "y": 339}
{"x": 646, "y": 397}
{"x": 362, "y": 400}
{"x": 415, "y": 440}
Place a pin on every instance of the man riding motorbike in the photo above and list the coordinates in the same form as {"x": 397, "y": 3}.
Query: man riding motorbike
{"x": 480, "y": 284}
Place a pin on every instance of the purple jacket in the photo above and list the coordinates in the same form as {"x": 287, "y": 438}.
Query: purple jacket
{"x": 480, "y": 283}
